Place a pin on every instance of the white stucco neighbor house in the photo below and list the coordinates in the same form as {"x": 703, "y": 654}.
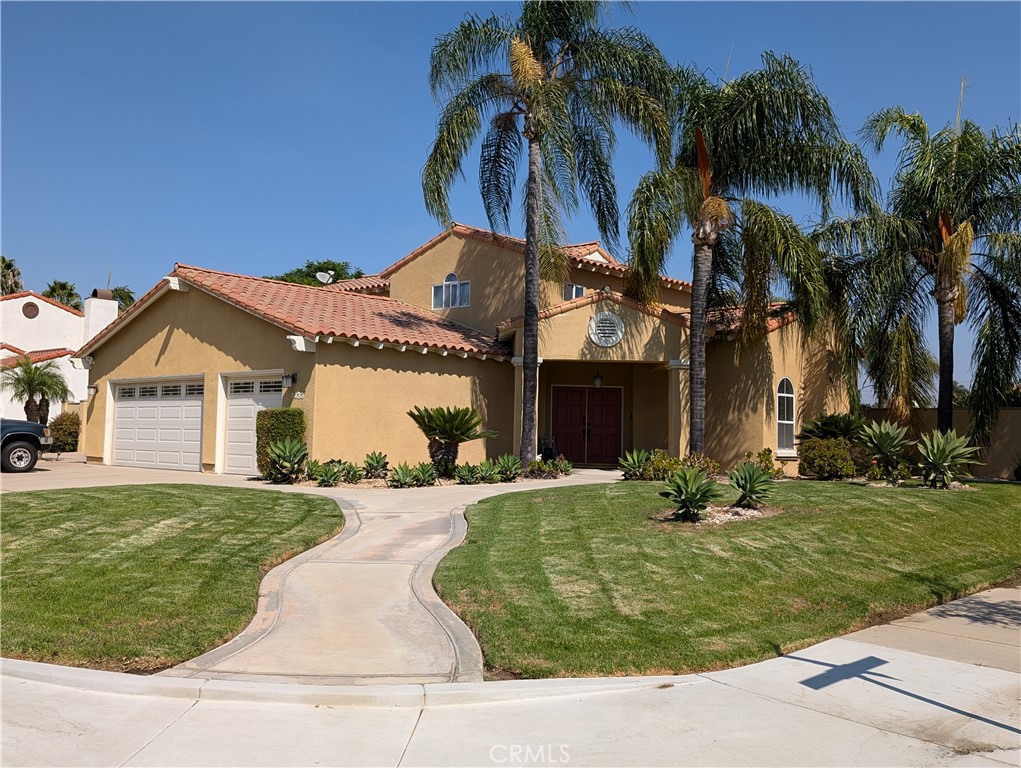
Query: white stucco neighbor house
{"x": 39, "y": 328}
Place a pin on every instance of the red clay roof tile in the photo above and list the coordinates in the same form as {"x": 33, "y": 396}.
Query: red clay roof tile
{"x": 33, "y": 294}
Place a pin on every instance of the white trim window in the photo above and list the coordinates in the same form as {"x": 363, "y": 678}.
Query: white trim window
{"x": 785, "y": 417}
{"x": 452, "y": 293}
{"x": 573, "y": 291}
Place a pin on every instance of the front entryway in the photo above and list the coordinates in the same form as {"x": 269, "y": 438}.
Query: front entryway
{"x": 245, "y": 398}
{"x": 587, "y": 423}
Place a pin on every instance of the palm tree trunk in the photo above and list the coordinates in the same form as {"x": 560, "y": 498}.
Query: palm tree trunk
{"x": 44, "y": 410}
{"x": 530, "y": 332}
{"x": 945, "y": 301}
{"x": 704, "y": 238}
{"x": 32, "y": 410}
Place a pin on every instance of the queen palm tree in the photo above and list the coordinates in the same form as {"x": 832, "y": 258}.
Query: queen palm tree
{"x": 64, "y": 292}
{"x": 28, "y": 381}
{"x": 764, "y": 133}
{"x": 552, "y": 85}
{"x": 949, "y": 236}
{"x": 10, "y": 277}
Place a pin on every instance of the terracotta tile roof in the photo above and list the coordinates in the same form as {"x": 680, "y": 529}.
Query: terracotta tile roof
{"x": 728, "y": 320}
{"x": 12, "y": 348}
{"x": 36, "y": 356}
{"x": 593, "y": 298}
{"x": 310, "y": 311}
{"x": 364, "y": 284}
{"x": 33, "y": 294}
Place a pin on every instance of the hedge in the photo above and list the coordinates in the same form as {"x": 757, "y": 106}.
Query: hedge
{"x": 275, "y": 424}
{"x": 65, "y": 429}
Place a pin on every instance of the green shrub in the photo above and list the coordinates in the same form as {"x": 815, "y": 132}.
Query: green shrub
{"x": 287, "y": 459}
{"x": 885, "y": 444}
{"x": 65, "y": 429}
{"x": 401, "y": 476}
{"x": 830, "y": 425}
{"x": 826, "y": 458}
{"x": 700, "y": 461}
{"x": 313, "y": 469}
{"x": 424, "y": 474}
{"x": 690, "y": 490}
{"x": 540, "y": 470}
{"x": 350, "y": 472}
{"x": 467, "y": 474}
{"x": 767, "y": 461}
{"x": 446, "y": 429}
{"x": 753, "y": 482}
{"x": 489, "y": 472}
{"x": 945, "y": 458}
{"x": 273, "y": 425}
{"x": 509, "y": 467}
{"x": 329, "y": 475}
{"x": 661, "y": 466}
{"x": 632, "y": 465}
{"x": 562, "y": 465}
{"x": 376, "y": 465}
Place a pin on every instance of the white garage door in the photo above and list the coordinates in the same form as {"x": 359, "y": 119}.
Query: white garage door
{"x": 245, "y": 398}
{"x": 159, "y": 425}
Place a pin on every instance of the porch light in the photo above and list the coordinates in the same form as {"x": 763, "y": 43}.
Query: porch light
{"x": 91, "y": 390}
{"x": 597, "y": 380}
{"x": 290, "y": 379}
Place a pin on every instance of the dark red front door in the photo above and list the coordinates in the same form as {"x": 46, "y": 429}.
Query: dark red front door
{"x": 587, "y": 424}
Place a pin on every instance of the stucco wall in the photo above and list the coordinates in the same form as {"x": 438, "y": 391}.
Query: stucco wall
{"x": 998, "y": 458}
{"x": 362, "y": 396}
{"x": 189, "y": 333}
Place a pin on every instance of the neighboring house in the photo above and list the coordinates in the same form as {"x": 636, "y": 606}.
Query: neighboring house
{"x": 42, "y": 329}
{"x": 181, "y": 374}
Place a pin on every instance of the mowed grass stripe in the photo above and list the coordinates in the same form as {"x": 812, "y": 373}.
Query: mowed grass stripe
{"x": 139, "y": 578}
{"x": 580, "y": 581}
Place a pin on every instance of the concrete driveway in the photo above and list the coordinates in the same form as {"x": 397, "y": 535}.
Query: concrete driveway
{"x": 353, "y": 660}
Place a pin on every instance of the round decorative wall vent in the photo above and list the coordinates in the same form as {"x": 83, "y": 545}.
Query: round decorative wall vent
{"x": 30, "y": 310}
{"x": 606, "y": 329}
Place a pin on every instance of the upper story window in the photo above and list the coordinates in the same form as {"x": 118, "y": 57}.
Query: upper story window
{"x": 572, "y": 291}
{"x": 452, "y": 293}
{"x": 785, "y": 416}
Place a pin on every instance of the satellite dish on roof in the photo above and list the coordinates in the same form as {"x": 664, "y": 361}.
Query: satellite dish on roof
{"x": 325, "y": 277}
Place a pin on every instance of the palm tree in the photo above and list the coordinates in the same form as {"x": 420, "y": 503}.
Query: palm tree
{"x": 552, "y": 85}
{"x": 10, "y": 277}
{"x": 27, "y": 381}
{"x": 949, "y": 235}
{"x": 64, "y": 292}
{"x": 766, "y": 132}
{"x": 446, "y": 429}
{"x": 125, "y": 297}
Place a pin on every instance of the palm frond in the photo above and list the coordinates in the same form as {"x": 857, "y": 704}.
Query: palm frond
{"x": 498, "y": 168}
{"x": 474, "y": 46}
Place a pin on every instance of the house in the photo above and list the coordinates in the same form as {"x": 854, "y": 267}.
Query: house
{"x": 180, "y": 375}
{"x": 41, "y": 329}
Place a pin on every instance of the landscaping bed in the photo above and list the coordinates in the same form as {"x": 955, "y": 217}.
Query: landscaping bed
{"x": 586, "y": 581}
{"x": 139, "y": 578}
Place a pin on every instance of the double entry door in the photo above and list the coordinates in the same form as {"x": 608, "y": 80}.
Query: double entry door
{"x": 587, "y": 423}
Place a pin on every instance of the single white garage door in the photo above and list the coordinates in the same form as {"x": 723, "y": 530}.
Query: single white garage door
{"x": 158, "y": 425}
{"x": 245, "y": 398}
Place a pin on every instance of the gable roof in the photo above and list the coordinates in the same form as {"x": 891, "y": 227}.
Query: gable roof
{"x": 34, "y": 295}
{"x": 4, "y": 347}
{"x": 590, "y": 255}
{"x": 312, "y": 312}
{"x": 37, "y": 356}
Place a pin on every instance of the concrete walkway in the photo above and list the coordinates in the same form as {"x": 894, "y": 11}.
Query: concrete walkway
{"x": 937, "y": 688}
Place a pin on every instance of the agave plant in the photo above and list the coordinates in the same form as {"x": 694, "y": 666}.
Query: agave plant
{"x": 690, "y": 490}
{"x": 424, "y": 474}
{"x": 509, "y": 467}
{"x": 329, "y": 475}
{"x": 350, "y": 472}
{"x": 376, "y": 465}
{"x": 401, "y": 476}
{"x": 754, "y": 483}
{"x": 632, "y": 465}
{"x": 287, "y": 459}
{"x": 446, "y": 429}
{"x": 945, "y": 457}
{"x": 489, "y": 472}
{"x": 885, "y": 443}
{"x": 313, "y": 469}
{"x": 467, "y": 474}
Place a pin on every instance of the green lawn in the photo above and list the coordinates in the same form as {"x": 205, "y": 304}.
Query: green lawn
{"x": 580, "y": 581}
{"x": 138, "y": 578}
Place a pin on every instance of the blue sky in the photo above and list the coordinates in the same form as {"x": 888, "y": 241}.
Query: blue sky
{"x": 250, "y": 137}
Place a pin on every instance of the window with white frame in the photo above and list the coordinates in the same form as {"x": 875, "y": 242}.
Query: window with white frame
{"x": 572, "y": 291}
{"x": 785, "y": 417}
{"x": 452, "y": 293}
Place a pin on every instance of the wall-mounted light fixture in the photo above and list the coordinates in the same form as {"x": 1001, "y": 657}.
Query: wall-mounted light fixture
{"x": 290, "y": 379}
{"x": 92, "y": 390}
{"x": 597, "y": 380}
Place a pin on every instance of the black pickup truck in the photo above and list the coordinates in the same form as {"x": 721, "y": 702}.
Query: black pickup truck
{"x": 23, "y": 441}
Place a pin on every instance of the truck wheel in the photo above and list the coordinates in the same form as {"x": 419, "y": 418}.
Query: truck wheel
{"x": 19, "y": 457}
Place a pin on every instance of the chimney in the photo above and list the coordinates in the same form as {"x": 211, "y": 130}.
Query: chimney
{"x": 100, "y": 311}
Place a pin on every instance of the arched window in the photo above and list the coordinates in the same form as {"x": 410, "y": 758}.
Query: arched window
{"x": 452, "y": 293}
{"x": 785, "y": 417}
